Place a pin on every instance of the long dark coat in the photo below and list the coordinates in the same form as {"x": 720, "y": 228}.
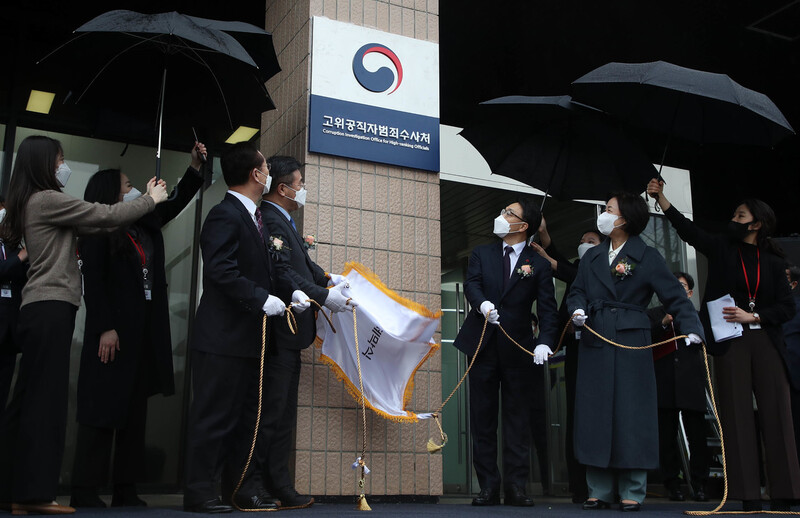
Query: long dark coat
{"x": 114, "y": 298}
{"x": 616, "y": 418}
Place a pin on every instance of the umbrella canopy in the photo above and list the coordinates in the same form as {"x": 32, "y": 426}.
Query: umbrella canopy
{"x": 556, "y": 146}
{"x": 697, "y": 106}
{"x": 130, "y": 70}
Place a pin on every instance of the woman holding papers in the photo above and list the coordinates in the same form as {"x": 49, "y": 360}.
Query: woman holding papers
{"x": 743, "y": 264}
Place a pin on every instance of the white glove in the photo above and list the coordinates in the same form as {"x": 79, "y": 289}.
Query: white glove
{"x": 693, "y": 339}
{"x": 300, "y": 301}
{"x": 274, "y": 306}
{"x": 335, "y": 279}
{"x": 489, "y": 312}
{"x": 337, "y": 301}
{"x": 541, "y": 354}
{"x": 579, "y": 317}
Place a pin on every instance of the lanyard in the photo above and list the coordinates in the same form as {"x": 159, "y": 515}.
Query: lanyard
{"x": 747, "y": 281}
{"x": 142, "y": 256}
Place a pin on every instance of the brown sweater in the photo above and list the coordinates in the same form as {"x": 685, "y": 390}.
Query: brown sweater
{"x": 52, "y": 221}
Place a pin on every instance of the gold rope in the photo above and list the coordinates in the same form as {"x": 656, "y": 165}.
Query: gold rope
{"x": 362, "y": 499}
{"x": 291, "y": 321}
{"x": 258, "y": 418}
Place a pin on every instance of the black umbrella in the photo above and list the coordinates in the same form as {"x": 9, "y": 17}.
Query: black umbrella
{"x": 557, "y": 146}
{"x": 138, "y": 71}
{"x": 692, "y": 105}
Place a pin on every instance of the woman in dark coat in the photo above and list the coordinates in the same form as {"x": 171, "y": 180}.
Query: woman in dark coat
{"x": 745, "y": 264}
{"x": 127, "y": 350}
{"x": 616, "y": 416}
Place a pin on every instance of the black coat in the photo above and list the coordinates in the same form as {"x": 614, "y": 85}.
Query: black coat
{"x": 238, "y": 277}
{"x": 13, "y": 275}
{"x": 681, "y": 374}
{"x": 295, "y": 266}
{"x": 514, "y": 303}
{"x": 114, "y": 298}
{"x": 791, "y": 332}
{"x": 774, "y": 302}
{"x": 616, "y": 418}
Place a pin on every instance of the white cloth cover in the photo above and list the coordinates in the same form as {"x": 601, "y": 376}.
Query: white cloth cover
{"x": 395, "y": 337}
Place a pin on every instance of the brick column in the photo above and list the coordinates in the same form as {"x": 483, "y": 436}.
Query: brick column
{"x": 384, "y": 217}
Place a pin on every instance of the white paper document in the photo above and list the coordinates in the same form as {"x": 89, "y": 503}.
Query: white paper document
{"x": 722, "y": 329}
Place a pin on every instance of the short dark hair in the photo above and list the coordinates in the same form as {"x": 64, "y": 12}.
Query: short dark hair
{"x": 794, "y": 273}
{"x": 281, "y": 169}
{"x": 593, "y": 231}
{"x": 689, "y": 279}
{"x": 103, "y": 187}
{"x": 634, "y": 209}
{"x": 530, "y": 215}
{"x": 238, "y": 161}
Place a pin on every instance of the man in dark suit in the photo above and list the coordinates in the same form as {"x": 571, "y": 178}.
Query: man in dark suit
{"x": 282, "y": 376}
{"x": 503, "y": 281}
{"x": 680, "y": 383}
{"x": 13, "y": 274}
{"x": 238, "y": 287}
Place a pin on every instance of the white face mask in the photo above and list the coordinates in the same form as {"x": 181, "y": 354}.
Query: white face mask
{"x": 62, "y": 174}
{"x": 299, "y": 196}
{"x": 583, "y": 248}
{"x": 502, "y": 227}
{"x": 605, "y": 223}
{"x": 267, "y": 184}
{"x": 131, "y": 195}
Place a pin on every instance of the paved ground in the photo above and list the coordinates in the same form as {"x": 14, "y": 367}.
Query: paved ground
{"x": 169, "y": 506}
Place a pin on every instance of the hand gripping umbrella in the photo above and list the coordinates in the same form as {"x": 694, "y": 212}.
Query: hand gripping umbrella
{"x": 557, "y": 146}
{"x": 693, "y": 106}
{"x": 220, "y": 68}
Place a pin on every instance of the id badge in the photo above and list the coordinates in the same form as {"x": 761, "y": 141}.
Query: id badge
{"x": 148, "y": 291}
{"x": 5, "y": 291}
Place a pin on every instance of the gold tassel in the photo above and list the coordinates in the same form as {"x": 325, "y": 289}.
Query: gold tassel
{"x": 362, "y": 503}
{"x": 436, "y": 448}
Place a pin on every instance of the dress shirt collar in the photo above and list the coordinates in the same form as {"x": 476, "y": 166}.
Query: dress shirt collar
{"x": 283, "y": 211}
{"x": 613, "y": 252}
{"x": 249, "y": 205}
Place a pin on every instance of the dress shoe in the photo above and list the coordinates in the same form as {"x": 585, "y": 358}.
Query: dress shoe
{"x": 676, "y": 495}
{"x": 260, "y": 502}
{"x": 289, "y": 498}
{"x": 125, "y": 495}
{"x": 779, "y": 504}
{"x": 594, "y": 505}
{"x": 516, "y": 496}
{"x": 487, "y": 496}
{"x": 751, "y": 505}
{"x": 630, "y": 508}
{"x": 213, "y": 506}
{"x": 85, "y": 497}
{"x": 41, "y": 508}
{"x": 700, "y": 495}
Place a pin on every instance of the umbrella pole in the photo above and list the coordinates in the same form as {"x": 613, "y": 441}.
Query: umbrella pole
{"x": 160, "y": 122}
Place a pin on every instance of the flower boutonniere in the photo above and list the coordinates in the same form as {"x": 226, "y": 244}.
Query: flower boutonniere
{"x": 526, "y": 270}
{"x": 624, "y": 268}
{"x": 277, "y": 245}
{"x": 310, "y": 242}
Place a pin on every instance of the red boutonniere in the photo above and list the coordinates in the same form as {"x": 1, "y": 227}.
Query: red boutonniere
{"x": 526, "y": 270}
{"x": 624, "y": 268}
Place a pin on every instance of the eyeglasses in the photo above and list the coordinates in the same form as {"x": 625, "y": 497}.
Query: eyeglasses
{"x": 504, "y": 212}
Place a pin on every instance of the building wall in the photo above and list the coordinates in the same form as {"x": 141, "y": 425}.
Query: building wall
{"x": 384, "y": 217}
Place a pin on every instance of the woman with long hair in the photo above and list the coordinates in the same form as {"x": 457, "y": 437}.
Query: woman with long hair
{"x": 48, "y": 221}
{"x": 127, "y": 349}
{"x": 745, "y": 263}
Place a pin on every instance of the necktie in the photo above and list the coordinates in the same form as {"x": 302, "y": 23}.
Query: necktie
{"x": 259, "y": 223}
{"x": 291, "y": 220}
{"x": 507, "y": 265}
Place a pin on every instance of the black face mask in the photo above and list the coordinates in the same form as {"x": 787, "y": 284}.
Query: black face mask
{"x": 739, "y": 231}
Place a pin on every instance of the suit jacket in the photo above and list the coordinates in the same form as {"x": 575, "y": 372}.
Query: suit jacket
{"x": 114, "y": 298}
{"x": 514, "y": 303}
{"x": 13, "y": 273}
{"x": 296, "y": 268}
{"x": 616, "y": 418}
{"x": 238, "y": 277}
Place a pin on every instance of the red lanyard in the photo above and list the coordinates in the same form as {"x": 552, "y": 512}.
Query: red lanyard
{"x": 747, "y": 281}
{"x": 139, "y": 249}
